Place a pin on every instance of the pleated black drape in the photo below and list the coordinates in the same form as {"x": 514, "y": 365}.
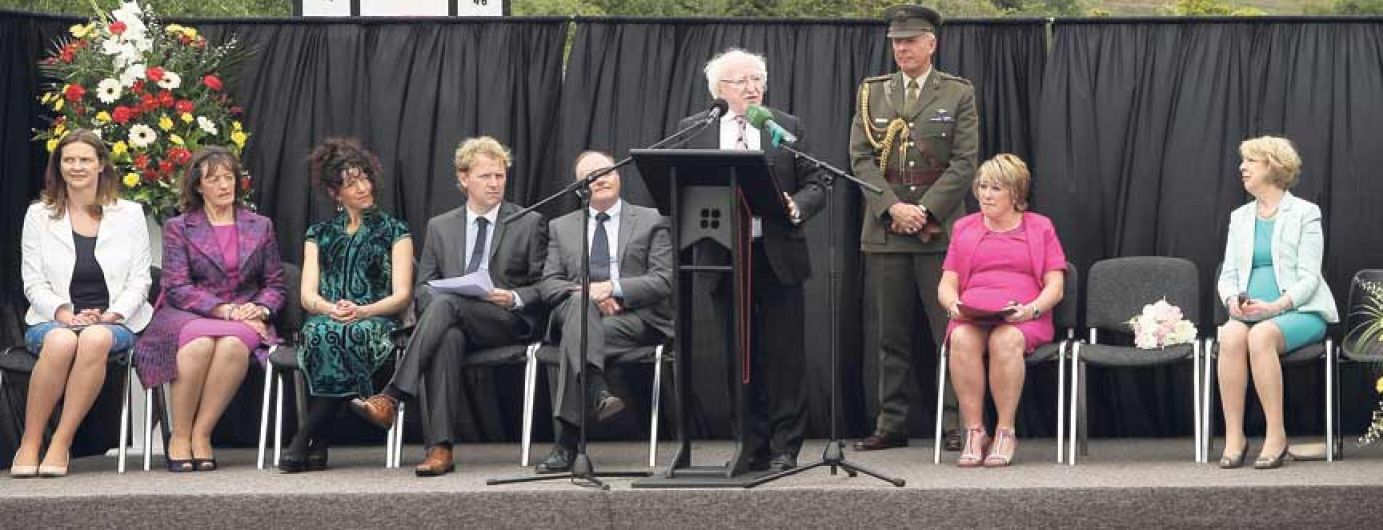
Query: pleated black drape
{"x": 630, "y": 80}
{"x": 1137, "y": 154}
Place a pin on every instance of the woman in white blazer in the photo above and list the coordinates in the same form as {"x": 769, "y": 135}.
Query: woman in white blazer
{"x": 85, "y": 265}
{"x": 1272, "y": 286}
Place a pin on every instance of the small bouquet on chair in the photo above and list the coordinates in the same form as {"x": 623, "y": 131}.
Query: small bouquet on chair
{"x": 1161, "y": 325}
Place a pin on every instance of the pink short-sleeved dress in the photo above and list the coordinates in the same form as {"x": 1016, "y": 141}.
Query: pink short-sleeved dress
{"x": 1001, "y": 273}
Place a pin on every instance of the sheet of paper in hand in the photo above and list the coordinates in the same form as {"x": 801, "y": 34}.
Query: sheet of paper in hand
{"x": 476, "y": 284}
{"x": 975, "y": 314}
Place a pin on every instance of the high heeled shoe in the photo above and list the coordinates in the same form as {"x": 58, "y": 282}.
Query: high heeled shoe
{"x": 1237, "y": 461}
{"x": 1272, "y": 462}
{"x": 22, "y": 471}
{"x": 1002, "y": 449}
{"x": 976, "y": 443}
{"x": 47, "y": 471}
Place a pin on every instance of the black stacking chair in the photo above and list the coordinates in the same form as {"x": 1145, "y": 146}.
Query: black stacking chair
{"x": 1064, "y": 318}
{"x": 1118, "y": 290}
{"x": 1365, "y": 292}
{"x": 655, "y": 355}
{"x": 18, "y": 360}
{"x": 1323, "y": 351}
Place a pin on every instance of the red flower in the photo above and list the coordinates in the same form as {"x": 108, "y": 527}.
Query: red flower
{"x": 184, "y": 106}
{"x": 122, "y": 114}
{"x": 138, "y": 86}
{"x": 150, "y": 175}
{"x": 154, "y": 73}
{"x": 141, "y": 161}
{"x": 67, "y": 56}
{"x": 179, "y": 155}
{"x": 117, "y": 27}
{"x": 212, "y": 82}
{"x": 165, "y": 98}
{"x": 165, "y": 167}
{"x": 245, "y": 184}
{"x": 74, "y": 92}
{"x": 148, "y": 103}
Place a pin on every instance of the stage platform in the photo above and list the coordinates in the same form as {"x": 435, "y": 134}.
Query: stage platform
{"x": 1122, "y": 483}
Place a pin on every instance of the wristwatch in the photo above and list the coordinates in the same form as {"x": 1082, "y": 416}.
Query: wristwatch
{"x": 1036, "y": 311}
{"x": 265, "y": 313}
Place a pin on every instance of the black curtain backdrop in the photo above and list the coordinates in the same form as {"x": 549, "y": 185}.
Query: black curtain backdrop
{"x": 630, "y": 80}
{"x": 1137, "y": 154}
{"x": 1131, "y": 126}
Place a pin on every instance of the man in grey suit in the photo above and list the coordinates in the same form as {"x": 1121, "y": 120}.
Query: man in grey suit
{"x": 462, "y": 241}
{"x": 629, "y": 304}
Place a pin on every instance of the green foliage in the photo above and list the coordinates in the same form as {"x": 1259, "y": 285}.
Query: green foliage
{"x": 1202, "y": 8}
{"x": 167, "y": 8}
{"x": 1359, "y": 7}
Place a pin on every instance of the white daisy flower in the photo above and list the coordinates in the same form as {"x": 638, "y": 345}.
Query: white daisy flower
{"x": 206, "y": 125}
{"x": 142, "y": 135}
{"x": 108, "y": 90}
{"x": 170, "y": 81}
{"x": 131, "y": 74}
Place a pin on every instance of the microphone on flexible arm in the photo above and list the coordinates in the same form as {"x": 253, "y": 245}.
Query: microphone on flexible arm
{"x": 762, "y": 118}
{"x": 718, "y": 108}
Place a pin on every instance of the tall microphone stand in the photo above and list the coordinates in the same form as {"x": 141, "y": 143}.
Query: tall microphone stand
{"x": 581, "y": 466}
{"x": 833, "y": 455}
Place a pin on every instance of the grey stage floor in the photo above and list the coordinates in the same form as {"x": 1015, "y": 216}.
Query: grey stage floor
{"x": 1120, "y": 483}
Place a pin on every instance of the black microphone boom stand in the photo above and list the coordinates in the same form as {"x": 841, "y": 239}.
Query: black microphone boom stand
{"x": 833, "y": 456}
{"x": 581, "y": 466}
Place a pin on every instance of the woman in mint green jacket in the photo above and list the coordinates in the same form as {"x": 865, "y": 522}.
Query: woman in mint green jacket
{"x": 1271, "y": 285}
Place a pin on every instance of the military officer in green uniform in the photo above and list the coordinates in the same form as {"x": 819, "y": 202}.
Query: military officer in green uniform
{"x": 916, "y": 135}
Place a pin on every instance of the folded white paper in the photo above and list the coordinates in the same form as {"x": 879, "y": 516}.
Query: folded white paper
{"x": 476, "y": 284}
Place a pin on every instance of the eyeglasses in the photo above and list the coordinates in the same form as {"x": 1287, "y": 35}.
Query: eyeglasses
{"x": 755, "y": 80}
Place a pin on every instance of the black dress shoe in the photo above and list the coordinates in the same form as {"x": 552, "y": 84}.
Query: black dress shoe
{"x": 607, "y": 405}
{"x": 878, "y": 443}
{"x": 557, "y": 461}
{"x": 782, "y": 462}
{"x": 317, "y": 457}
{"x": 953, "y": 439}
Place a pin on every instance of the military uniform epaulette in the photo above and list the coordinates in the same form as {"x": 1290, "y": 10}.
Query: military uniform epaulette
{"x": 956, "y": 78}
{"x": 878, "y": 78}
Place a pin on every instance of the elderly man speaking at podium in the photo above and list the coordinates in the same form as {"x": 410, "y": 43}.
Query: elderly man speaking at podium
{"x": 775, "y": 420}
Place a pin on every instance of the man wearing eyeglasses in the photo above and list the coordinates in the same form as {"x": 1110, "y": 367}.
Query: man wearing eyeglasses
{"x": 915, "y": 135}
{"x": 776, "y": 419}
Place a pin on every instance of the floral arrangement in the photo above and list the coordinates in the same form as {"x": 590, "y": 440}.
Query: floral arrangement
{"x": 1161, "y": 325}
{"x": 154, "y": 93}
{"x": 1371, "y": 330}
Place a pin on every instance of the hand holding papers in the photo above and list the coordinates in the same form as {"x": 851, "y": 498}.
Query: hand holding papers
{"x": 476, "y": 284}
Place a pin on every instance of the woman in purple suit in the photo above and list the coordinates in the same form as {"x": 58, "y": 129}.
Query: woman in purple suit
{"x": 222, "y": 281}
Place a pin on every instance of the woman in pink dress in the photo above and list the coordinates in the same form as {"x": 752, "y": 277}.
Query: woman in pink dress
{"x": 1003, "y": 274}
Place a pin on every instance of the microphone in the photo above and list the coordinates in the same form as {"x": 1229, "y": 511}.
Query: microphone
{"x": 762, "y": 118}
{"x": 718, "y": 108}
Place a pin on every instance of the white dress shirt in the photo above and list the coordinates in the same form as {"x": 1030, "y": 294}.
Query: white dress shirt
{"x": 729, "y": 136}
{"x": 473, "y": 231}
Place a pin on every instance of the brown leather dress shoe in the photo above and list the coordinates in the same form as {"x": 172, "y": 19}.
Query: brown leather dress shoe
{"x": 379, "y": 409}
{"x": 878, "y": 443}
{"x": 437, "y": 463}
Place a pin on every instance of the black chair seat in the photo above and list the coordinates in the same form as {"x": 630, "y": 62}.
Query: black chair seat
{"x": 514, "y": 354}
{"x": 284, "y": 357}
{"x": 1105, "y": 355}
{"x": 1046, "y": 352}
{"x": 1305, "y": 354}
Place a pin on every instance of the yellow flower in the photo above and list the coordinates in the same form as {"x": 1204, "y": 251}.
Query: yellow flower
{"x": 165, "y": 123}
{"x": 175, "y": 139}
{"x": 60, "y": 130}
{"x": 47, "y": 97}
{"x": 58, "y": 105}
{"x": 131, "y": 180}
{"x": 239, "y": 138}
{"x": 119, "y": 148}
{"x": 103, "y": 117}
{"x": 1376, "y": 386}
{"x": 186, "y": 118}
{"x": 80, "y": 30}
{"x": 52, "y": 144}
{"x": 235, "y": 125}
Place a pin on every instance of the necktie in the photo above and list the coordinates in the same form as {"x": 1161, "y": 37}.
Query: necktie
{"x": 913, "y": 89}
{"x": 600, "y": 250}
{"x": 478, "y": 251}
{"x": 741, "y": 140}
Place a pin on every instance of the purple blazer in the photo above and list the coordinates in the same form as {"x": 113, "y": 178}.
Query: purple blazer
{"x": 194, "y": 282}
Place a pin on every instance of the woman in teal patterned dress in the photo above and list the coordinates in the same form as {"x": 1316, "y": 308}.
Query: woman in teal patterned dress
{"x": 357, "y": 279}
{"x": 1271, "y": 285}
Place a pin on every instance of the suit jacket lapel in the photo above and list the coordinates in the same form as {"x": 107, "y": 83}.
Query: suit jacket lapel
{"x": 896, "y": 94}
{"x": 201, "y": 237}
{"x": 251, "y": 236}
{"x": 62, "y": 231}
{"x": 497, "y": 231}
{"x": 627, "y": 218}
